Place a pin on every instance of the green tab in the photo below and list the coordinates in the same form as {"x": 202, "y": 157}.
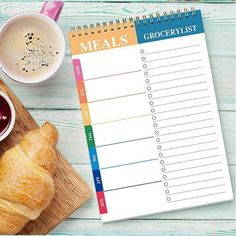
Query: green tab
{"x": 89, "y": 136}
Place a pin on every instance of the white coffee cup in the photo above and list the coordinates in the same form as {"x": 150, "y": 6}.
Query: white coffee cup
{"x": 48, "y": 15}
{"x": 13, "y": 116}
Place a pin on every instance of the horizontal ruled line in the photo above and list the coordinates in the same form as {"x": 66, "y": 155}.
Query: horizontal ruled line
{"x": 193, "y": 167}
{"x": 106, "y": 99}
{"x": 170, "y": 80}
{"x": 173, "y": 186}
{"x": 127, "y": 118}
{"x": 134, "y": 117}
{"x": 186, "y": 100}
{"x": 196, "y": 121}
{"x": 167, "y": 73}
{"x": 132, "y": 186}
{"x": 196, "y": 159}
{"x": 180, "y": 63}
{"x": 185, "y": 115}
{"x": 106, "y": 76}
{"x": 196, "y": 189}
{"x": 182, "y": 108}
{"x": 181, "y": 154}
{"x": 126, "y": 141}
{"x": 194, "y": 91}
{"x": 164, "y": 58}
{"x": 202, "y": 173}
{"x": 127, "y": 164}
{"x": 184, "y": 85}
{"x": 187, "y": 138}
{"x": 183, "y": 131}
{"x": 190, "y": 145}
{"x": 172, "y": 49}
{"x": 197, "y": 197}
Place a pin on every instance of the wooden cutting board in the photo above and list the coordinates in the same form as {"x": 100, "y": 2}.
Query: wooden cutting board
{"x": 71, "y": 190}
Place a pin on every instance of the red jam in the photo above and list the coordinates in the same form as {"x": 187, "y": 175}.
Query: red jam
{"x": 5, "y": 115}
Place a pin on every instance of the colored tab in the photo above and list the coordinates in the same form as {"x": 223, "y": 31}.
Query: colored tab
{"x": 77, "y": 69}
{"x": 107, "y": 37}
{"x": 101, "y": 202}
{"x": 85, "y": 114}
{"x": 89, "y": 136}
{"x": 79, "y": 80}
{"x": 81, "y": 91}
{"x": 93, "y": 158}
{"x": 161, "y": 28}
{"x": 97, "y": 180}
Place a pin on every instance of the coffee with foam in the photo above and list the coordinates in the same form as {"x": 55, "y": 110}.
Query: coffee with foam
{"x": 29, "y": 47}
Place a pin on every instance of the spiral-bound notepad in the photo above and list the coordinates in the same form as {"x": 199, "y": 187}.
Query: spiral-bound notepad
{"x": 150, "y": 114}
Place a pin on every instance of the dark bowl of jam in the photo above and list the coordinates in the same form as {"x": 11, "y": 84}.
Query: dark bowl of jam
{"x": 7, "y": 116}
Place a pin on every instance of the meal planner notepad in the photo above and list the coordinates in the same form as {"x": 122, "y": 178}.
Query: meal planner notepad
{"x": 150, "y": 114}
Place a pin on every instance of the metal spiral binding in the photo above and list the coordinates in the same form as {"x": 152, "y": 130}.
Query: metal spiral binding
{"x": 123, "y": 24}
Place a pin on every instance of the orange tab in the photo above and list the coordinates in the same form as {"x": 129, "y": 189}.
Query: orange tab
{"x": 85, "y": 113}
{"x": 102, "y": 38}
{"x": 81, "y": 91}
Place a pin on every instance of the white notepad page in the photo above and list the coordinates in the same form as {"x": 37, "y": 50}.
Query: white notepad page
{"x": 156, "y": 127}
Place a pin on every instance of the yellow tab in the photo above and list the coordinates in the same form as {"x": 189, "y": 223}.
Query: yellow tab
{"x": 101, "y": 38}
{"x": 85, "y": 114}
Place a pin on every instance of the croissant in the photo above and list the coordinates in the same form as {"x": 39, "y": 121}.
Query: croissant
{"x": 26, "y": 183}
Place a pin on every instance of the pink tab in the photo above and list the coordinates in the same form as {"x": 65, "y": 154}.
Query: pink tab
{"x": 101, "y": 202}
{"x": 77, "y": 69}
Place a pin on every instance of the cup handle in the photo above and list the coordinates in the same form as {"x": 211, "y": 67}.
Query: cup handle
{"x": 52, "y": 9}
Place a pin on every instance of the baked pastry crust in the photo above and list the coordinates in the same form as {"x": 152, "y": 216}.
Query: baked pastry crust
{"x": 26, "y": 183}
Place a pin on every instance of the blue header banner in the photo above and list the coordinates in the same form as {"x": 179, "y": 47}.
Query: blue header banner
{"x": 166, "y": 27}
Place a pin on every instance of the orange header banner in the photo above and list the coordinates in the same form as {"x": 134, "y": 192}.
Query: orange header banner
{"x": 102, "y": 38}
